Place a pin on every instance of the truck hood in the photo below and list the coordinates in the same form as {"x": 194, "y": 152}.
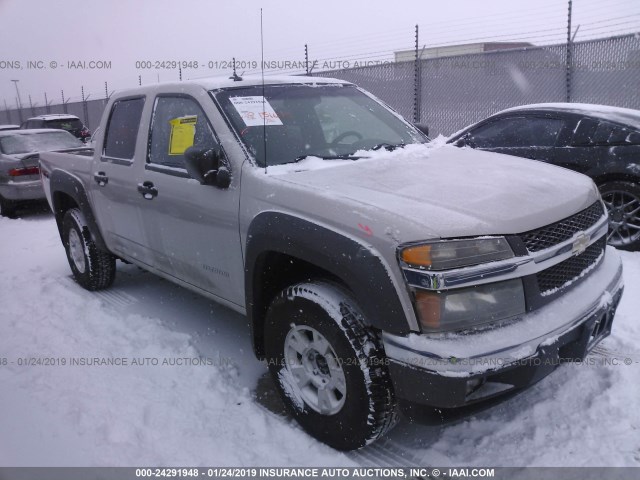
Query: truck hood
{"x": 444, "y": 191}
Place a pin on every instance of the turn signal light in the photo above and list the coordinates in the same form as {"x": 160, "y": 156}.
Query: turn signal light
{"x": 419, "y": 255}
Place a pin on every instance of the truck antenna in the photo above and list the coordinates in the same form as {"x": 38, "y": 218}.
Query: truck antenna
{"x": 264, "y": 117}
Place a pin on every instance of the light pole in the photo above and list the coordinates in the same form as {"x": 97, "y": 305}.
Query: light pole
{"x": 15, "y": 82}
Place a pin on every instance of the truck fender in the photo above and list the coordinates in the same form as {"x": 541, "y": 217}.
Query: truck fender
{"x": 62, "y": 182}
{"x": 344, "y": 259}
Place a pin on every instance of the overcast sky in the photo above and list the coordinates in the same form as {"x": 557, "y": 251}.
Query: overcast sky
{"x": 121, "y": 32}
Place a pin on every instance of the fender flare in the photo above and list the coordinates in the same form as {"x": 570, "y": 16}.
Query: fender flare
{"x": 359, "y": 268}
{"x": 63, "y": 182}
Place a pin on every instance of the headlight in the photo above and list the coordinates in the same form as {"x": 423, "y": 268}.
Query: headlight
{"x": 446, "y": 254}
{"x": 468, "y": 307}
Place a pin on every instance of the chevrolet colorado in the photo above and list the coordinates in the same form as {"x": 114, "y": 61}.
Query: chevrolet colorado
{"x": 372, "y": 265}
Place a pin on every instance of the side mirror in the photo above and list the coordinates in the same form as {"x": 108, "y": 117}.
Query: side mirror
{"x": 466, "y": 141}
{"x": 203, "y": 164}
{"x": 423, "y": 128}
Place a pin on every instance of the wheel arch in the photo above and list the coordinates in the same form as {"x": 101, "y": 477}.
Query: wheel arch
{"x": 282, "y": 250}
{"x": 606, "y": 177}
{"x": 67, "y": 191}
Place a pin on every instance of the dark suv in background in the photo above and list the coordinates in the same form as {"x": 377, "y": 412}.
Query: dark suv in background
{"x": 600, "y": 141}
{"x": 70, "y": 123}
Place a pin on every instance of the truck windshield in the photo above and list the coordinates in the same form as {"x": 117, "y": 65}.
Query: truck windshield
{"x": 327, "y": 121}
{"x": 37, "y": 142}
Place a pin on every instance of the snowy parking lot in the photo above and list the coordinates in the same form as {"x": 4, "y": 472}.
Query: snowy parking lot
{"x": 184, "y": 388}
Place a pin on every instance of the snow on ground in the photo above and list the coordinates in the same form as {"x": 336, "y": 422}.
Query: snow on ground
{"x": 226, "y": 413}
{"x": 119, "y": 415}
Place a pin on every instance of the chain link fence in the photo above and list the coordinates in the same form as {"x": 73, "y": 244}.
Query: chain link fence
{"x": 453, "y": 92}
{"x": 450, "y": 93}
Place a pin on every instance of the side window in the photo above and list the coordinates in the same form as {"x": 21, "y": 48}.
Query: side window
{"x": 610, "y": 134}
{"x": 518, "y": 132}
{"x": 122, "y": 128}
{"x": 594, "y": 132}
{"x": 178, "y": 123}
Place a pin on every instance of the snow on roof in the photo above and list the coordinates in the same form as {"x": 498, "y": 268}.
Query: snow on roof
{"x": 212, "y": 83}
{"x": 30, "y": 131}
{"x": 616, "y": 114}
{"x": 55, "y": 116}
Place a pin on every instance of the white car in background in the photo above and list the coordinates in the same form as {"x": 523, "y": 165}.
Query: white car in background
{"x": 19, "y": 159}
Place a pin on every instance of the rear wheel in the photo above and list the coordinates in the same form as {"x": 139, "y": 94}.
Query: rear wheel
{"x": 330, "y": 369}
{"x": 623, "y": 205}
{"x": 7, "y": 208}
{"x": 92, "y": 268}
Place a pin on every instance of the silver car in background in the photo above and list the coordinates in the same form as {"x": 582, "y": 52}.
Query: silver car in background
{"x": 19, "y": 164}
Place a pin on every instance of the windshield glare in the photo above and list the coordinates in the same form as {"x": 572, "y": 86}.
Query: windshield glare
{"x": 311, "y": 120}
{"x": 37, "y": 142}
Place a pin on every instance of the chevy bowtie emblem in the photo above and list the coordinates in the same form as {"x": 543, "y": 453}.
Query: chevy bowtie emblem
{"x": 580, "y": 244}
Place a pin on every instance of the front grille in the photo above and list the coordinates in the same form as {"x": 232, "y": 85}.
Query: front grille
{"x": 556, "y": 276}
{"x": 545, "y": 237}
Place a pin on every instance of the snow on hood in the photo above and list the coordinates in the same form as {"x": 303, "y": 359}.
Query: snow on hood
{"x": 445, "y": 190}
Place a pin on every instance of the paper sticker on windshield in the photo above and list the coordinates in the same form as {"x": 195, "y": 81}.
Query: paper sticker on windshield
{"x": 255, "y": 111}
{"x": 183, "y": 129}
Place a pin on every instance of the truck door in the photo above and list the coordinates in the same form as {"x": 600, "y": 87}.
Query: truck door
{"x": 192, "y": 228}
{"x": 114, "y": 179}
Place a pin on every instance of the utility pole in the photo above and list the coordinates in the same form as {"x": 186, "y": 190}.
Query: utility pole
{"x": 306, "y": 57}
{"x": 569, "y": 54}
{"x": 33, "y": 110}
{"x": 47, "y": 105}
{"x": 6, "y": 110}
{"x": 85, "y": 108}
{"x": 416, "y": 82}
{"x": 15, "y": 82}
{"x": 64, "y": 104}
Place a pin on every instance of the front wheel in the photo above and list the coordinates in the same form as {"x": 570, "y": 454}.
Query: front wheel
{"x": 93, "y": 269}
{"x": 329, "y": 367}
{"x": 622, "y": 200}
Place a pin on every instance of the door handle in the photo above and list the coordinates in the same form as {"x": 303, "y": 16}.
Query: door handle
{"x": 147, "y": 190}
{"x": 101, "y": 178}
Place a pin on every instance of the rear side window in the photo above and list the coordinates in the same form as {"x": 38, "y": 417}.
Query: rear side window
{"x": 122, "y": 129}
{"x": 610, "y": 134}
{"x": 518, "y": 132}
{"x": 178, "y": 123}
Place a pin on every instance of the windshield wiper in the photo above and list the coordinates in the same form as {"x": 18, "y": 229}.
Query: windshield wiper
{"x": 388, "y": 146}
{"x": 346, "y": 156}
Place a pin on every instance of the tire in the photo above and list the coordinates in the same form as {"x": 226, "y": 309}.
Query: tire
{"x": 7, "y": 208}
{"x": 334, "y": 352}
{"x": 623, "y": 204}
{"x": 92, "y": 268}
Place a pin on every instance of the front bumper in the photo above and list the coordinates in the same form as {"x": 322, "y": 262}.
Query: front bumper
{"x": 451, "y": 370}
{"x": 17, "y": 191}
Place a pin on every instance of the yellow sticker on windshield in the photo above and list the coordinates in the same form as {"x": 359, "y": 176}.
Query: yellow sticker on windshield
{"x": 183, "y": 130}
